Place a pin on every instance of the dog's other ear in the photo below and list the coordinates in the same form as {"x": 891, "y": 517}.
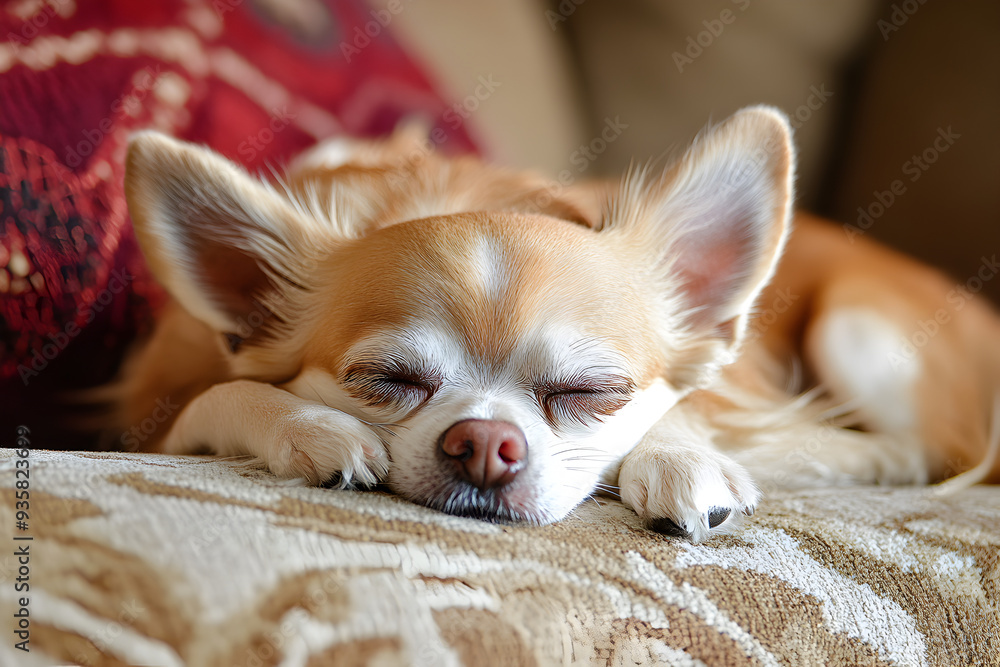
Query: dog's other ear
{"x": 712, "y": 227}
{"x": 217, "y": 239}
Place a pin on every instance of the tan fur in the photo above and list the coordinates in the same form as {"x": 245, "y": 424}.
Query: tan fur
{"x": 956, "y": 392}
{"x": 308, "y": 270}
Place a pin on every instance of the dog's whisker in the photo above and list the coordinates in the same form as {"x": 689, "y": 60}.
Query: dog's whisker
{"x": 579, "y": 448}
{"x": 383, "y": 427}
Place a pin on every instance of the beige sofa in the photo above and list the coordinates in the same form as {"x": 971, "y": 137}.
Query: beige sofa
{"x": 156, "y": 560}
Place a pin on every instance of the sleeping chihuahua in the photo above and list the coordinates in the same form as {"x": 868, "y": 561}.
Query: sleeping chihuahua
{"x": 494, "y": 347}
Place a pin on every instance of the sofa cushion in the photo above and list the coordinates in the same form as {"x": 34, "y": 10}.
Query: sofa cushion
{"x": 192, "y": 560}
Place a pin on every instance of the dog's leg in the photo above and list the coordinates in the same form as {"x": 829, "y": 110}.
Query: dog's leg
{"x": 294, "y": 437}
{"x": 911, "y": 371}
{"x": 807, "y": 455}
{"x": 681, "y": 485}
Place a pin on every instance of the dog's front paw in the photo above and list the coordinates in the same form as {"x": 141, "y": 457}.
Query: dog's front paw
{"x": 687, "y": 492}
{"x": 323, "y": 444}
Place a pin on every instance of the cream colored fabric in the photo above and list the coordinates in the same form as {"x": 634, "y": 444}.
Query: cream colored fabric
{"x": 144, "y": 559}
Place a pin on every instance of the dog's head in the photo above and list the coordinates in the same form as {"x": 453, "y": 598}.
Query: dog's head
{"x": 507, "y": 346}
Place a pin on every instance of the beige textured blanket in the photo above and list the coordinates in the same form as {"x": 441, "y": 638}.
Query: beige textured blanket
{"x": 155, "y": 560}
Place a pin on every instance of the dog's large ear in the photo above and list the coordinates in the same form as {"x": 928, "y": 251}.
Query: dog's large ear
{"x": 217, "y": 239}
{"x": 712, "y": 227}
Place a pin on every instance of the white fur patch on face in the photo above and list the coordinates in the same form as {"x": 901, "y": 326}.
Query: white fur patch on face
{"x": 420, "y": 347}
{"x": 489, "y": 266}
{"x": 565, "y": 460}
{"x": 866, "y": 358}
{"x": 421, "y": 344}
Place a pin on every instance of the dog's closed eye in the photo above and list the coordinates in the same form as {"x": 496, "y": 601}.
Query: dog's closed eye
{"x": 584, "y": 401}
{"x": 390, "y": 386}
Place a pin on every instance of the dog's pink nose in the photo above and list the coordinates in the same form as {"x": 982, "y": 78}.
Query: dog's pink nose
{"x": 486, "y": 453}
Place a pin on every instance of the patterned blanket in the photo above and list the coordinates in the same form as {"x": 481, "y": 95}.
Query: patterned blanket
{"x": 157, "y": 560}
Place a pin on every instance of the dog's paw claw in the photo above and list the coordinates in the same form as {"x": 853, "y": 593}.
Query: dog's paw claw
{"x": 687, "y": 492}
{"x": 666, "y": 526}
{"x": 717, "y": 515}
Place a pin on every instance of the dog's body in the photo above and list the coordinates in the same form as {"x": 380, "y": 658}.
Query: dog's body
{"x": 495, "y": 346}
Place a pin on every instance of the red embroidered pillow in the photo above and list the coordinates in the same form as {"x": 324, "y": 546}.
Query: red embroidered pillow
{"x": 256, "y": 80}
